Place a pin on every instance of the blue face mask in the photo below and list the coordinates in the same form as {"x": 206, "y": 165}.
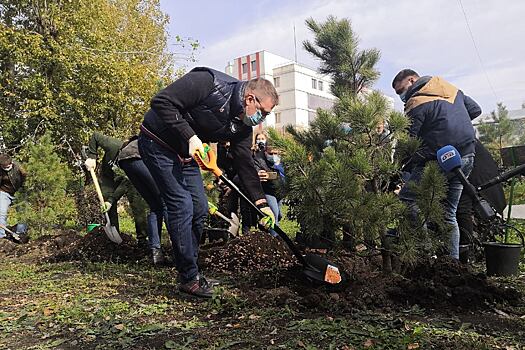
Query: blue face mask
{"x": 403, "y": 96}
{"x": 254, "y": 119}
{"x": 274, "y": 158}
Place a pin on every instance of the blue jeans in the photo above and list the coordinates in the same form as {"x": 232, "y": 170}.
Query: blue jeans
{"x": 5, "y": 202}
{"x": 276, "y": 210}
{"x": 139, "y": 175}
{"x": 450, "y": 203}
{"x": 182, "y": 190}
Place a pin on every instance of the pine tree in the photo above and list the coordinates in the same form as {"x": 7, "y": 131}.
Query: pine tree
{"x": 340, "y": 172}
{"x": 337, "y": 47}
{"x": 44, "y": 202}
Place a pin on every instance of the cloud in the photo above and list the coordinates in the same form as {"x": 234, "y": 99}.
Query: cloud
{"x": 428, "y": 36}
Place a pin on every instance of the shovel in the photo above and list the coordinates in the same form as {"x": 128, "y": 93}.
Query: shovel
{"x": 234, "y": 221}
{"x": 315, "y": 267}
{"x": 111, "y": 231}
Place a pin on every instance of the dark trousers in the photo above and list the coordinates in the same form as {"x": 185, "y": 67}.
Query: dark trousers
{"x": 139, "y": 175}
{"x": 182, "y": 191}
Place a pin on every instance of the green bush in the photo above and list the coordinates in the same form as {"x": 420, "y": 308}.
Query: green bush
{"x": 44, "y": 202}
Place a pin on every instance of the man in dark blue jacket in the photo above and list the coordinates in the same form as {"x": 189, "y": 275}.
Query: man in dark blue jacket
{"x": 440, "y": 115}
{"x": 211, "y": 106}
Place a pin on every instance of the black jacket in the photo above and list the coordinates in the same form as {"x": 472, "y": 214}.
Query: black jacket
{"x": 441, "y": 115}
{"x": 15, "y": 178}
{"x": 206, "y": 103}
{"x": 486, "y": 168}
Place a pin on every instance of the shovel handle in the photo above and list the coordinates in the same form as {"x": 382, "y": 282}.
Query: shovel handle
{"x": 208, "y": 160}
{"x": 6, "y": 229}
{"x": 97, "y": 186}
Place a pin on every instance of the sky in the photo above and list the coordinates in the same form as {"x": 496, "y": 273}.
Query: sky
{"x": 431, "y": 37}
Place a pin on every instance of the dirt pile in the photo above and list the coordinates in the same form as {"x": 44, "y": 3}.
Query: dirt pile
{"x": 445, "y": 282}
{"x": 247, "y": 254}
{"x": 96, "y": 247}
{"x": 38, "y": 249}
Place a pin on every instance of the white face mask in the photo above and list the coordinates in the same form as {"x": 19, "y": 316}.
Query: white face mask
{"x": 7, "y": 168}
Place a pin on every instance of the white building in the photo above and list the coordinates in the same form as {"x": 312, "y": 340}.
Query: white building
{"x": 301, "y": 89}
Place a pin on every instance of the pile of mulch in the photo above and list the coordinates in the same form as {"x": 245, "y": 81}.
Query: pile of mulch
{"x": 96, "y": 247}
{"x": 247, "y": 254}
{"x": 445, "y": 282}
{"x": 38, "y": 249}
{"x": 442, "y": 284}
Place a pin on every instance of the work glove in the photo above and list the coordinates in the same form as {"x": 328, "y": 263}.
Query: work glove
{"x": 195, "y": 144}
{"x": 90, "y": 164}
{"x": 212, "y": 209}
{"x": 268, "y": 220}
{"x": 106, "y": 206}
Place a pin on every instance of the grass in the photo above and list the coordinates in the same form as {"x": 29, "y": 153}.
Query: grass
{"x": 119, "y": 306}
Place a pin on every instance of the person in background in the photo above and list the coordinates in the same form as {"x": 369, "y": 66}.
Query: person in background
{"x": 12, "y": 177}
{"x": 440, "y": 115}
{"x": 264, "y": 158}
{"x": 114, "y": 186}
{"x": 485, "y": 168}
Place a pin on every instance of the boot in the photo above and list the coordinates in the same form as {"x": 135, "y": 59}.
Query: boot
{"x": 157, "y": 256}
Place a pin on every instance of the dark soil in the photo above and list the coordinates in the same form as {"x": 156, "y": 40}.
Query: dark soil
{"x": 247, "y": 254}
{"x": 444, "y": 282}
{"x": 96, "y": 247}
{"x": 70, "y": 246}
{"x": 268, "y": 265}
{"x": 268, "y": 274}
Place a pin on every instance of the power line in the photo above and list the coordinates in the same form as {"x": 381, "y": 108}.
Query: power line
{"x": 477, "y": 50}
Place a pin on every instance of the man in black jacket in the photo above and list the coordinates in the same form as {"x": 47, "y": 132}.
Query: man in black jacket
{"x": 203, "y": 105}
{"x": 440, "y": 115}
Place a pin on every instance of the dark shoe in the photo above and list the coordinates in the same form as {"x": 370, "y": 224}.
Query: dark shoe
{"x": 157, "y": 256}
{"x": 211, "y": 281}
{"x": 198, "y": 287}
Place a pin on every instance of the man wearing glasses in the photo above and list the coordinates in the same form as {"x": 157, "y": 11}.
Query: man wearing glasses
{"x": 204, "y": 105}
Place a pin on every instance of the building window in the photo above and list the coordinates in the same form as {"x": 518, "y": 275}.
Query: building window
{"x": 244, "y": 68}
{"x": 254, "y": 66}
{"x": 320, "y": 85}
{"x": 277, "y": 82}
{"x": 314, "y": 84}
{"x": 278, "y": 118}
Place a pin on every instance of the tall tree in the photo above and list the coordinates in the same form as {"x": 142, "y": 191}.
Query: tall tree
{"x": 336, "y": 45}
{"x": 73, "y": 66}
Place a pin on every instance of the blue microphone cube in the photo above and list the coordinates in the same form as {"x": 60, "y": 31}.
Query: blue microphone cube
{"x": 448, "y": 158}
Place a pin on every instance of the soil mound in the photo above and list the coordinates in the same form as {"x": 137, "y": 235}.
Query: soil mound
{"x": 445, "y": 282}
{"x": 250, "y": 253}
{"x": 96, "y": 247}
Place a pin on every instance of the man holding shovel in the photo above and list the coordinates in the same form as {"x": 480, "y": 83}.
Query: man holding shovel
{"x": 114, "y": 186}
{"x": 203, "y": 105}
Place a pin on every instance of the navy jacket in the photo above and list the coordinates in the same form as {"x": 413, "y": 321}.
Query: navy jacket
{"x": 441, "y": 115}
{"x": 206, "y": 103}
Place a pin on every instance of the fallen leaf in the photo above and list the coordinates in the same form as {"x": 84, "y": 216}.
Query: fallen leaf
{"x": 254, "y": 317}
{"x": 119, "y": 326}
{"x": 47, "y": 311}
{"x": 368, "y": 343}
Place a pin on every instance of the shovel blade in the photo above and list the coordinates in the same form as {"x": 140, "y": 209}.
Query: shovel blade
{"x": 112, "y": 233}
{"x": 321, "y": 270}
